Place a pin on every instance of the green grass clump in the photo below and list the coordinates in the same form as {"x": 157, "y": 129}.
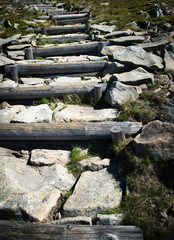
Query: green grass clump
{"x": 150, "y": 195}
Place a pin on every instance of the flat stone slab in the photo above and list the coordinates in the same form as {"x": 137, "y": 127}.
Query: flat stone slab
{"x": 31, "y": 192}
{"x": 125, "y": 41}
{"x": 66, "y": 37}
{"x": 119, "y": 93}
{"x": 7, "y": 114}
{"x": 32, "y": 81}
{"x": 109, "y": 50}
{"x": 93, "y": 163}
{"x": 46, "y": 157}
{"x": 168, "y": 62}
{"x": 119, "y": 34}
{"x": 34, "y": 114}
{"x": 5, "y": 61}
{"x": 109, "y": 219}
{"x": 16, "y": 55}
{"x": 75, "y": 113}
{"x": 103, "y": 28}
{"x": 77, "y": 58}
{"x": 79, "y": 220}
{"x": 18, "y": 47}
{"x": 8, "y": 84}
{"x": 134, "y": 77}
{"x": 152, "y": 46}
{"x": 94, "y": 193}
{"x": 138, "y": 57}
{"x": 71, "y": 81}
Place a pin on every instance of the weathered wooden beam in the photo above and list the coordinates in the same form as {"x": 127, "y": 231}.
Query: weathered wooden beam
{"x": 69, "y": 16}
{"x": 27, "y": 231}
{"x": 46, "y": 91}
{"x": 75, "y": 20}
{"x": 66, "y": 49}
{"x": 65, "y": 131}
{"x": 62, "y": 29}
{"x": 58, "y": 68}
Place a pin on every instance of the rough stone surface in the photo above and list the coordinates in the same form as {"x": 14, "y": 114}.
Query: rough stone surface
{"x": 103, "y": 28}
{"x": 135, "y": 77}
{"x": 119, "y": 94}
{"x": 156, "y": 141}
{"x": 79, "y": 220}
{"x": 168, "y": 62}
{"x": 7, "y": 114}
{"x": 136, "y": 56}
{"x": 16, "y": 55}
{"x": 94, "y": 163}
{"x": 77, "y": 58}
{"x": 119, "y": 34}
{"x": 8, "y": 83}
{"x": 71, "y": 81}
{"x": 109, "y": 50}
{"x": 31, "y": 191}
{"x": 111, "y": 219}
{"x": 5, "y": 61}
{"x": 75, "y": 113}
{"x": 45, "y": 157}
{"x": 32, "y": 81}
{"x": 125, "y": 41}
{"x": 18, "y": 47}
{"x": 34, "y": 114}
{"x": 93, "y": 193}
{"x": 168, "y": 107}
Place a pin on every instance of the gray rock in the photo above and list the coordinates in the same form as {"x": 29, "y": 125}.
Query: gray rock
{"x": 111, "y": 219}
{"x": 7, "y": 84}
{"x": 93, "y": 163}
{"x": 156, "y": 141}
{"x": 126, "y": 41}
{"x": 152, "y": 46}
{"x": 119, "y": 34}
{"x": 45, "y": 157}
{"x": 16, "y": 55}
{"x": 93, "y": 193}
{"x": 9, "y": 39}
{"x": 34, "y": 114}
{"x": 31, "y": 191}
{"x": 79, "y": 220}
{"x": 109, "y": 50}
{"x": 103, "y": 28}
{"x": 18, "y": 47}
{"x": 5, "y": 61}
{"x": 7, "y": 114}
{"x": 24, "y": 40}
{"x": 1, "y": 78}
{"x": 66, "y": 37}
{"x": 136, "y": 56}
{"x": 119, "y": 94}
{"x": 32, "y": 81}
{"x": 75, "y": 113}
{"x": 168, "y": 62}
{"x": 135, "y": 77}
{"x": 168, "y": 107}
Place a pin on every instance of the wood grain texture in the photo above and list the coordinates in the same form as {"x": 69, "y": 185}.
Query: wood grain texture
{"x": 65, "y": 131}
{"x": 27, "y": 231}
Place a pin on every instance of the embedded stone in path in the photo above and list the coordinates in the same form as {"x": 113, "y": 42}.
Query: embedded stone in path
{"x": 46, "y": 157}
{"x": 109, "y": 50}
{"x": 5, "y": 61}
{"x": 168, "y": 62}
{"x": 93, "y": 163}
{"x": 32, "y": 81}
{"x": 79, "y": 220}
{"x": 16, "y": 55}
{"x": 31, "y": 192}
{"x": 119, "y": 34}
{"x": 103, "y": 28}
{"x": 125, "y": 41}
{"x": 8, "y": 84}
{"x": 72, "y": 81}
{"x": 110, "y": 219}
{"x": 120, "y": 93}
{"x": 94, "y": 193}
{"x": 134, "y": 77}
{"x": 136, "y": 56}
{"x": 75, "y": 113}
{"x": 156, "y": 141}
{"x": 8, "y": 113}
{"x": 34, "y": 114}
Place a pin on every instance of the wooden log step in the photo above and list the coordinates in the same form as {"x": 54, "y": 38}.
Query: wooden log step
{"x": 71, "y": 21}
{"x": 27, "y": 231}
{"x": 65, "y": 131}
{"x": 46, "y": 91}
{"x": 57, "y": 68}
{"x": 65, "y": 38}
{"x": 69, "y": 16}
{"x": 63, "y": 29}
{"x": 66, "y": 49}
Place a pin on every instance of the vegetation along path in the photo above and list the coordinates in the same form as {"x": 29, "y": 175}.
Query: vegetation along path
{"x": 86, "y": 119}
